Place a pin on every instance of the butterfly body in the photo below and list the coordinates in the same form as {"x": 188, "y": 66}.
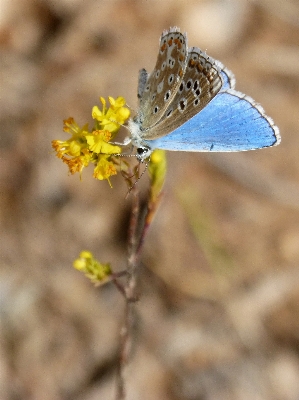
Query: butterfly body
{"x": 188, "y": 103}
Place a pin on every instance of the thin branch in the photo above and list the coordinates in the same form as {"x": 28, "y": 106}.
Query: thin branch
{"x": 136, "y": 237}
{"x": 130, "y": 296}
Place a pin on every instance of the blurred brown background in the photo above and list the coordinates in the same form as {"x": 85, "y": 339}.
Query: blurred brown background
{"x": 219, "y": 310}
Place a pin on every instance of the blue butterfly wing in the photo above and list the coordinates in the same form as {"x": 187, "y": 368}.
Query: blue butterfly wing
{"x": 231, "y": 121}
{"x": 228, "y": 79}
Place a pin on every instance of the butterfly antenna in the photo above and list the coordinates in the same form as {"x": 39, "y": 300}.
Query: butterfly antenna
{"x": 123, "y": 155}
{"x": 132, "y": 109}
{"x": 137, "y": 180}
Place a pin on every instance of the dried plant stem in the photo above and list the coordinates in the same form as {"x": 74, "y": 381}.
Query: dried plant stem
{"x": 124, "y": 351}
{"x": 130, "y": 296}
{"x": 135, "y": 245}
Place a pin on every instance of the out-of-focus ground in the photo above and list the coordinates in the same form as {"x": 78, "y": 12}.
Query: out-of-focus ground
{"x": 218, "y": 316}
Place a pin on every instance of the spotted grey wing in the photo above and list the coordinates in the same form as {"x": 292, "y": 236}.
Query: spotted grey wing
{"x": 163, "y": 83}
{"x": 142, "y": 80}
{"x": 201, "y": 82}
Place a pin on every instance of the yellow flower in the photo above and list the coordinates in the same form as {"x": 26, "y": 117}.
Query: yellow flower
{"x": 98, "y": 143}
{"x": 74, "y": 146}
{"x": 104, "y": 168}
{"x": 86, "y": 147}
{"x": 77, "y": 164}
{"x": 72, "y": 127}
{"x": 67, "y": 147}
{"x": 92, "y": 268}
{"x": 112, "y": 118}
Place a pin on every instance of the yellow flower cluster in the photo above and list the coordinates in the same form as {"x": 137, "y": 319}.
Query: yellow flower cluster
{"x": 92, "y": 268}
{"x": 94, "y": 146}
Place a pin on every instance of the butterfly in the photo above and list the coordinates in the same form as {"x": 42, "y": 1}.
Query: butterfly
{"x": 189, "y": 103}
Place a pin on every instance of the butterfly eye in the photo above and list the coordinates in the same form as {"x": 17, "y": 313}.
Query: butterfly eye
{"x": 141, "y": 150}
{"x": 143, "y": 153}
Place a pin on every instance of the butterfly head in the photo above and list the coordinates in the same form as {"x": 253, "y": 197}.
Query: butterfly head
{"x": 143, "y": 152}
